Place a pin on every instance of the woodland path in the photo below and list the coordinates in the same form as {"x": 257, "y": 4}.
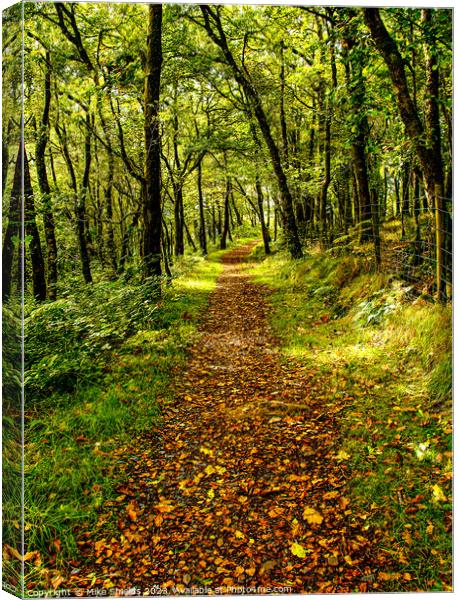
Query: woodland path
{"x": 240, "y": 485}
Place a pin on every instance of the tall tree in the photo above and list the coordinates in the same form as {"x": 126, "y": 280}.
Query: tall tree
{"x": 215, "y": 30}
{"x": 13, "y": 229}
{"x": 30, "y": 226}
{"x": 202, "y": 218}
{"x": 43, "y": 183}
{"x": 80, "y": 207}
{"x": 152, "y": 201}
{"x": 424, "y": 142}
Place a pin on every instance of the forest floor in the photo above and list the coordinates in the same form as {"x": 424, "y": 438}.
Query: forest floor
{"x": 252, "y": 482}
{"x": 243, "y": 484}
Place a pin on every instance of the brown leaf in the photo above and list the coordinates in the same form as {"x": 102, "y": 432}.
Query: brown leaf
{"x": 132, "y": 514}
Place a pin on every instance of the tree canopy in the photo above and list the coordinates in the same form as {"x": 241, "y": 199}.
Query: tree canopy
{"x": 149, "y": 140}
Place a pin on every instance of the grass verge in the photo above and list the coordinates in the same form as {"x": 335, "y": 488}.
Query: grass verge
{"x": 384, "y": 358}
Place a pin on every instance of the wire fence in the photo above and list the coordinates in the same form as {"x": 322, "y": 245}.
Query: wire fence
{"x": 413, "y": 245}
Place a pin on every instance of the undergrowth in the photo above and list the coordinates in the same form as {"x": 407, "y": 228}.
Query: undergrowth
{"x": 98, "y": 362}
{"x": 384, "y": 355}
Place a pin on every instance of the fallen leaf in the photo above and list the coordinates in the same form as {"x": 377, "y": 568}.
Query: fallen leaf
{"x": 343, "y": 455}
{"x": 298, "y": 550}
{"x": 438, "y": 494}
{"x": 312, "y": 516}
{"x": 56, "y": 581}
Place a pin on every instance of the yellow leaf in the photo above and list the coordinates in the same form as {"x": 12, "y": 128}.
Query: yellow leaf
{"x": 99, "y": 546}
{"x": 343, "y": 455}
{"x": 31, "y": 555}
{"x": 348, "y": 559}
{"x": 298, "y": 550}
{"x": 164, "y": 507}
{"x": 407, "y": 537}
{"x": 295, "y": 527}
{"x": 312, "y": 516}
{"x": 239, "y": 535}
{"x": 205, "y": 450}
{"x": 210, "y": 470}
{"x": 343, "y": 502}
{"x": 211, "y": 494}
{"x": 438, "y": 494}
{"x": 56, "y": 581}
{"x": 330, "y": 495}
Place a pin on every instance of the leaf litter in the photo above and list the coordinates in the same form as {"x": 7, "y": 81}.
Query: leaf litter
{"x": 242, "y": 483}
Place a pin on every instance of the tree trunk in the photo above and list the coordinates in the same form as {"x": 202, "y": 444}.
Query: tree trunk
{"x": 261, "y": 212}
{"x": 237, "y": 214}
{"x": 178, "y": 219}
{"x": 214, "y": 225}
{"x": 152, "y": 212}
{"x": 5, "y": 152}
{"x": 109, "y": 214}
{"x": 43, "y": 183}
{"x": 283, "y": 121}
{"x": 30, "y": 226}
{"x": 226, "y": 215}
{"x": 202, "y": 220}
{"x": 375, "y": 226}
{"x": 13, "y": 229}
{"x": 108, "y": 190}
{"x": 189, "y": 237}
{"x": 125, "y": 242}
{"x": 81, "y": 212}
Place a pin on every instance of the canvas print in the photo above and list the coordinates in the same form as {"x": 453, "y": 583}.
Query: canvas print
{"x": 227, "y": 287}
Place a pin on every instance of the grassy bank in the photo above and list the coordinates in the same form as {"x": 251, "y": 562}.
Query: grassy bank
{"x": 383, "y": 357}
{"x": 99, "y": 366}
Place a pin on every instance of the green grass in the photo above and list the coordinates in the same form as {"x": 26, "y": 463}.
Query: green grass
{"x": 70, "y": 435}
{"x": 385, "y": 360}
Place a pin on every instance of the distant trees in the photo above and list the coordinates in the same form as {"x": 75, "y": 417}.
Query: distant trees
{"x": 153, "y": 131}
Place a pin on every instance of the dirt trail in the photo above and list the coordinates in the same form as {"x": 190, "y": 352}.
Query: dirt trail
{"x": 241, "y": 484}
